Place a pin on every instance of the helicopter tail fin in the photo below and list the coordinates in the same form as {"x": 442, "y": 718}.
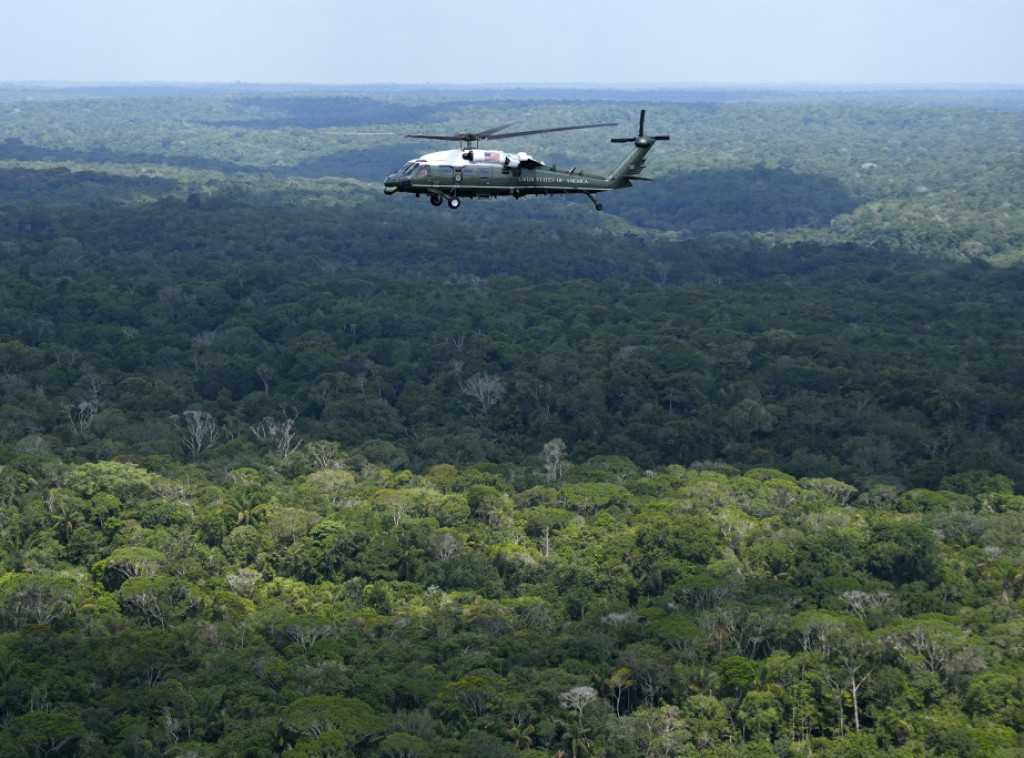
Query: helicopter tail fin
{"x": 634, "y": 163}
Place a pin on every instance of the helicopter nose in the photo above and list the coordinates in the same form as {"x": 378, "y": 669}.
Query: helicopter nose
{"x": 393, "y": 183}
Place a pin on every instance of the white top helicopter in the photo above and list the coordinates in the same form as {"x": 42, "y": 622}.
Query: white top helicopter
{"x": 471, "y": 172}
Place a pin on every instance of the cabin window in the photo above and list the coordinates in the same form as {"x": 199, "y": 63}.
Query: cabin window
{"x": 468, "y": 170}
{"x": 485, "y": 173}
{"x": 446, "y": 171}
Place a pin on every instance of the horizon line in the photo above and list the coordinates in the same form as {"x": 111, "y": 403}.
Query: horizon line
{"x": 510, "y": 85}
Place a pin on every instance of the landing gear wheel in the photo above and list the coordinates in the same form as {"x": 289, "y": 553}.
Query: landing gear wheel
{"x": 598, "y": 206}
{"x": 436, "y": 200}
{"x": 454, "y": 203}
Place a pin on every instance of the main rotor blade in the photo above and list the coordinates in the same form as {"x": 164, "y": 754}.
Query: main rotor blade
{"x": 545, "y": 131}
{"x": 447, "y": 137}
{"x": 491, "y": 133}
{"x": 465, "y": 136}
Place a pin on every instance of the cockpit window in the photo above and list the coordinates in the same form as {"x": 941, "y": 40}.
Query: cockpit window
{"x": 406, "y": 168}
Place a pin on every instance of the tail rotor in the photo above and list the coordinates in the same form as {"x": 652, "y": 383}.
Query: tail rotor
{"x": 640, "y": 136}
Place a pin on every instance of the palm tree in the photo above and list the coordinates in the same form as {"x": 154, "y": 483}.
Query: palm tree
{"x": 1004, "y": 571}
{"x": 522, "y": 737}
{"x": 64, "y": 511}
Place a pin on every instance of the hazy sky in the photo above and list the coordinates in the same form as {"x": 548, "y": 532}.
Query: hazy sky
{"x": 519, "y": 41}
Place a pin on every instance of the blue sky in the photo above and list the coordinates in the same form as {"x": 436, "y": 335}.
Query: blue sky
{"x": 521, "y": 41}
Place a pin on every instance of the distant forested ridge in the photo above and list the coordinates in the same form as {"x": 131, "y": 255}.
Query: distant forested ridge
{"x": 730, "y": 468}
{"x": 841, "y": 361}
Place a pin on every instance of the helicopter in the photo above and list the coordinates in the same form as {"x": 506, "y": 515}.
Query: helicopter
{"x": 472, "y": 172}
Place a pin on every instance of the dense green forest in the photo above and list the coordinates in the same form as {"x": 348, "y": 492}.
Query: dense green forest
{"x": 728, "y": 469}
